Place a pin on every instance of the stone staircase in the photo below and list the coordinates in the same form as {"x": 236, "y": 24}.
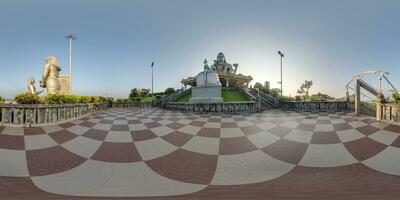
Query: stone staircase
{"x": 267, "y": 101}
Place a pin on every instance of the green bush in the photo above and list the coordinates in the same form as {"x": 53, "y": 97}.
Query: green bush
{"x": 169, "y": 90}
{"x": 110, "y": 99}
{"x": 53, "y": 99}
{"x": 93, "y": 99}
{"x": 1, "y": 100}
{"x": 61, "y": 99}
{"x": 102, "y": 99}
{"x": 85, "y": 99}
{"x": 396, "y": 97}
{"x": 71, "y": 99}
{"x": 28, "y": 98}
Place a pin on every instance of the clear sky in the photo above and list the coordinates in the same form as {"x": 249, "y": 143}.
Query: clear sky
{"x": 324, "y": 41}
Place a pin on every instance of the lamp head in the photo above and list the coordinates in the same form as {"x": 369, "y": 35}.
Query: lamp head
{"x": 71, "y": 36}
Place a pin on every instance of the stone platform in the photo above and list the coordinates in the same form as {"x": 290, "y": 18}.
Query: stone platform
{"x": 163, "y": 154}
{"x": 209, "y": 94}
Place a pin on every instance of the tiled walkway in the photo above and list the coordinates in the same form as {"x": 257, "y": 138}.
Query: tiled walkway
{"x": 157, "y": 153}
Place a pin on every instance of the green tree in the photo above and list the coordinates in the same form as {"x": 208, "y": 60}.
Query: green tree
{"x": 169, "y": 90}
{"x": 275, "y": 92}
{"x": 134, "y": 93}
{"x": 305, "y": 89}
{"x": 321, "y": 97}
{"x": 258, "y": 86}
{"x": 266, "y": 88}
{"x": 1, "y": 100}
{"x": 144, "y": 92}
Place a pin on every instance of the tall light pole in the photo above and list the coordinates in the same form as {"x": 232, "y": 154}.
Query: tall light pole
{"x": 281, "y": 55}
{"x": 70, "y": 37}
{"x": 152, "y": 92}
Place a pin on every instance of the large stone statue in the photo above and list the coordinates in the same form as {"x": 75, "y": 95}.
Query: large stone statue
{"x": 227, "y": 73}
{"x": 220, "y": 65}
{"x": 208, "y": 87}
{"x": 50, "y": 76}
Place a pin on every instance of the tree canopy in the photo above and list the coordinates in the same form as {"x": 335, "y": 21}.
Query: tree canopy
{"x": 305, "y": 89}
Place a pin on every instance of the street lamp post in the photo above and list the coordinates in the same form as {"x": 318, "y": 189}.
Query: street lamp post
{"x": 70, "y": 37}
{"x": 152, "y": 92}
{"x": 281, "y": 55}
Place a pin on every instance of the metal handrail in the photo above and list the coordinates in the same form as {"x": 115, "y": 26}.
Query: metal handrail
{"x": 265, "y": 97}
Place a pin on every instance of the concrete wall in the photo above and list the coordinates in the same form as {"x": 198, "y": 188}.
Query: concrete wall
{"x": 36, "y": 115}
{"x": 229, "y": 107}
{"x": 315, "y": 106}
{"x": 132, "y": 104}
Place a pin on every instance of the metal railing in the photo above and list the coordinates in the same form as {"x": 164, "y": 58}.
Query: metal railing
{"x": 265, "y": 98}
{"x": 176, "y": 95}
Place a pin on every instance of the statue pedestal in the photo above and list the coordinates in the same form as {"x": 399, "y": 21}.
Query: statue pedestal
{"x": 208, "y": 94}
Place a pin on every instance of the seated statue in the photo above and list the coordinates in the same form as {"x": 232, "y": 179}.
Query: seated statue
{"x": 50, "y": 76}
{"x": 220, "y": 65}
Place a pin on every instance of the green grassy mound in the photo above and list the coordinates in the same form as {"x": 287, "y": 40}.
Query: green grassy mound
{"x": 228, "y": 96}
{"x": 146, "y": 99}
{"x": 184, "y": 98}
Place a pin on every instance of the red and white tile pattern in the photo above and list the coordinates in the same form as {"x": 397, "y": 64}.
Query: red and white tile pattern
{"x": 153, "y": 152}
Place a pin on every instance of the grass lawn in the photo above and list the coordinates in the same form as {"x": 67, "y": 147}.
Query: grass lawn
{"x": 145, "y": 99}
{"x": 184, "y": 98}
{"x": 228, "y": 96}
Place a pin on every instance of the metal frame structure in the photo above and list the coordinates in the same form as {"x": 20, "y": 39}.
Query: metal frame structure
{"x": 362, "y": 84}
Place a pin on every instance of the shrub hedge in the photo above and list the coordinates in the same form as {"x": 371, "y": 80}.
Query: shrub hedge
{"x": 396, "y": 97}
{"x": 27, "y": 98}
{"x": 1, "y": 100}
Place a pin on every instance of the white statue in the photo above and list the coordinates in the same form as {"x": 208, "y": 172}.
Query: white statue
{"x": 208, "y": 77}
{"x": 208, "y": 87}
{"x": 31, "y": 86}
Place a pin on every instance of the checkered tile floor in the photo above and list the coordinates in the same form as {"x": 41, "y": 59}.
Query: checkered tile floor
{"x": 158, "y": 153}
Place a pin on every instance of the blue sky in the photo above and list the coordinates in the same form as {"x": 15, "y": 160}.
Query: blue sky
{"x": 324, "y": 41}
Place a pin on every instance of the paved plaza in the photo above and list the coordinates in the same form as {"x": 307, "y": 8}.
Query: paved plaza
{"x": 159, "y": 153}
